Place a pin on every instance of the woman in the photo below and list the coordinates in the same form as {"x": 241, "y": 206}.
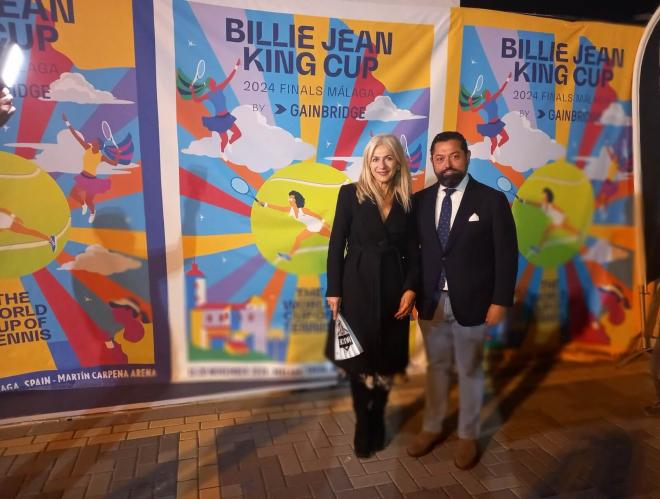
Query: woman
{"x": 556, "y": 218}
{"x": 372, "y": 285}
{"x": 11, "y": 222}
{"x": 222, "y": 121}
{"x": 86, "y": 184}
{"x": 494, "y": 126}
{"x": 313, "y": 222}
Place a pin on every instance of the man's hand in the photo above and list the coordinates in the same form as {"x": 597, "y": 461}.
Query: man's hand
{"x": 495, "y": 314}
{"x": 405, "y": 305}
{"x": 333, "y": 303}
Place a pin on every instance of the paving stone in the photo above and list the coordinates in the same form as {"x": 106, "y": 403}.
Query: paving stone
{"x": 164, "y": 478}
{"x": 289, "y": 463}
{"x": 208, "y": 476}
{"x": 427, "y": 494}
{"x": 16, "y": 442}
{"x": 201, "y": 418}
{"x": 124, "y": 469}
{"x": 27, "y": 449}
{"x": 50, "y": 437}
{"x": 186, "y": 490}
{"x": 435, "y": 481}
{"x": 338, "y": 479}
{"x": 10, "y": 485}
{"x": 134, "y": 443}
{"x": 456, "y": 491}
{"x": 104, "y": 439}
{"x": 389, "y": 491}
{"x": 292, "y": 492}
{"x": 64, "y": 464}
{"x": 352, "y": 465}
{"x": 168, "y": 448}
{"x": 305, "y": 478}
{"x": 321, "y": 490}
{"x": 272, "y": 476}
{"x": 231, "y": 491}
{"x": 86, "y": 458}
{"x": 384, "y": 465}
{"x": 364, "y": 493}
{"x": 99, "y": 484}
{"x": 22, "y": 464}
{"x": 34, "y": 483}
{"x": 63, "y": 484}
{"x": 336, "y": 450}
{"x": 371, "y": 480}
{"x": 148, "y": 454}
{"x": 187, "y": 470}
{"x": 304, "y": 451}
{"x": 403, "y": 481}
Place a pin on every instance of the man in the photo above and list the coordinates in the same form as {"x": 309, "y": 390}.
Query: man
{"x": 469, "y": 256}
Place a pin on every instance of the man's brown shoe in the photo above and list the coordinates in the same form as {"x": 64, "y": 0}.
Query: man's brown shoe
{"x": 467, "y": 454}
{"x": 423, "y": 443}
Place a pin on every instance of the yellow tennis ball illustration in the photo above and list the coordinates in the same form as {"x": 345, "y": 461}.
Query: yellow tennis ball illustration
{"x": 34, "y": 217}
{"x": 553, "y": 212}
{"x": 293, "y": 237}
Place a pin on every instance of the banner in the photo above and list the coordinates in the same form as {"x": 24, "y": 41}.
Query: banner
{"x": 263, "y": 116}
{"x": 75, "y": 275}
{"x": 646, "y": 123}
{"x": 547, "y": 113}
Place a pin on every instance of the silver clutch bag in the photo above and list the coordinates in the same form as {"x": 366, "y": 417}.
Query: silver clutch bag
{"x": 347, "y": 345}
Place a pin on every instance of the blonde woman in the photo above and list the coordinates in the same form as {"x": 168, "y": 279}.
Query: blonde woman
{"x": 372, "y": 274}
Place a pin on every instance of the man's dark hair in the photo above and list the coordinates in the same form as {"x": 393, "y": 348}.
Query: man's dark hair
{"x": 300, "y": 200}
{"x": 447, "y": 136}
{"x": 550, "y": 195}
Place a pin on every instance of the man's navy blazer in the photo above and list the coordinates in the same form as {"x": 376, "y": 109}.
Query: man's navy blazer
{"x": 481, "y": 258}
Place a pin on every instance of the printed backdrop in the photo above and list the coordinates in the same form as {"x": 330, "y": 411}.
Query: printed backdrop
{"x": 203, "y": 205}
{"x": 547, "y": 113}
{"x": 75, "y": 300}
{"x": 273, "y": 110}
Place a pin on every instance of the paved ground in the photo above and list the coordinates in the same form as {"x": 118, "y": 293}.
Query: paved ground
{"x": 550, "y": 431}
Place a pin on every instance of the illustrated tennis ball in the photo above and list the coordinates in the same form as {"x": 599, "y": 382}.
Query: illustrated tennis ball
{"x": 276, "y": 230}
{"x": 550, "y": 237}
{"x": 39, "y": 205}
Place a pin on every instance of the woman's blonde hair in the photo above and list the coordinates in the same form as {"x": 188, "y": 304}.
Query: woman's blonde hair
{"x": 401, "y": 183}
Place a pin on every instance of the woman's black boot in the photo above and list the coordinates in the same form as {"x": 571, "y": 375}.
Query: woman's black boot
{"x": 377, "y": 418}
{"x": 361, "y": 406}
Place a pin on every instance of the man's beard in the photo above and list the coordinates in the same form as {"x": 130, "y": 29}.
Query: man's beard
{"x": 451, "y": 178}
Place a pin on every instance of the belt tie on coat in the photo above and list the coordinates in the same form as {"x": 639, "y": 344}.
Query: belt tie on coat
{"x": 368, "y": 258}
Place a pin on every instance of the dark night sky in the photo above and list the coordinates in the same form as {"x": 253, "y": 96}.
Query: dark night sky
{"x": 624, "y": 11}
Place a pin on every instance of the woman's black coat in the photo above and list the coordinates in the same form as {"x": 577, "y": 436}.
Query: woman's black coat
{"x": 370, "y": 264}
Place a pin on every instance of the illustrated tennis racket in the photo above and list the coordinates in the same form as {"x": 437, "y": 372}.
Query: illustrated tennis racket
{"x": 404, "y": 143}
{"x": 242, "y": 187}
{"x": 199, "y": 72}
{"x": 478, "y": 85}
{"x": 504, "y": 184}
{"x": 107, "y": 133}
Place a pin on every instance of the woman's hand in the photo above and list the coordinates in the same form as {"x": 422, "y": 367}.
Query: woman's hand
{"x": 405, "y": 305}
{"x": 333, "y": 303}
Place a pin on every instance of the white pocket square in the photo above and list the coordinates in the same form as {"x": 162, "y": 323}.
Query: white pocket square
{"x": 473, "y": 218}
